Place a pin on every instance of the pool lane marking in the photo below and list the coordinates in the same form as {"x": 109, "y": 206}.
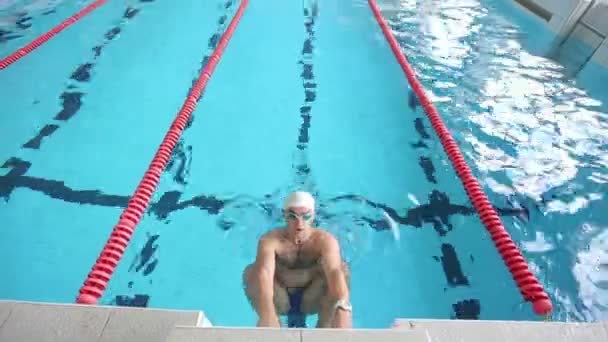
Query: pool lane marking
{"x": 71, "y": 97}
{"x": 103, "y": 269}
{"x": 530, "y": 288}
{"x": 27, "y": 49}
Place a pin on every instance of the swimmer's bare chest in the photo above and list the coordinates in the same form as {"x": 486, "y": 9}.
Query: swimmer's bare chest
{"x": 297, "y": 266}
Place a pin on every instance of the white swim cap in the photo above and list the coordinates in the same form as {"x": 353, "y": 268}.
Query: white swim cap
{"x": 300, "y": 199}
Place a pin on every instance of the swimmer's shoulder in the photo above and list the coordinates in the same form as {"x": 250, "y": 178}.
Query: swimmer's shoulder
{"x": 321, "y": 232}
{"x": 322, "y": 235}
{"x": 274, "y": 235}
{"x": 269, "y": 241}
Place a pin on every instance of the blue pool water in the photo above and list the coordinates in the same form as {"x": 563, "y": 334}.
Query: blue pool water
{"x": 311, "y": 98}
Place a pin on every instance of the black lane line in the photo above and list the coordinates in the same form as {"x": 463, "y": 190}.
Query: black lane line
{"x": 71, "y": 98}
{"x": 436, "y": 212}
{"x": 429, "y": 169}
{"x": 300, "y": 164}
{"x": 412, "y": 100}
{"x": 308, "y": 79}
{"x": 467, "y": 309}
{"x": 425, "y": 162}
{"x": 181, "y": 157}
{"x": 421, "y": 130}
{"x": 138, "y": 300}
{"x": 451, "y": 266}
{"x": 146, "y": 259}
{"x": 37, "y": 140}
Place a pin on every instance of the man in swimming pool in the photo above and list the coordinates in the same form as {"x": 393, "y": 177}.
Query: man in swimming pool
{"x": 299, "y": 271}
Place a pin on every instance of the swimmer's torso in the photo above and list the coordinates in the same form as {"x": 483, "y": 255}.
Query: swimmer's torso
{"x": 297, "y": 265}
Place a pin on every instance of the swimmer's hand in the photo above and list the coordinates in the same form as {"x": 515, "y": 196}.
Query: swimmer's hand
{"x": 271, "y": 321}
{"x": 343, "y": 320}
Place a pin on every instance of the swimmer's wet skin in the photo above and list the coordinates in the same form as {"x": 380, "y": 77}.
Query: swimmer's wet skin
{"x": 299, "y": 271}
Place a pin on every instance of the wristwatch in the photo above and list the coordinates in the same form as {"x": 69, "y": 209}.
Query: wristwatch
{"x": 344, "y": 305}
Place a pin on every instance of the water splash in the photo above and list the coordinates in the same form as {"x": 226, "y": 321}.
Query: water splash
{"x": 349, "y": 218}
{"x": 539, "y": 245}
{"x": 393, "y": 225}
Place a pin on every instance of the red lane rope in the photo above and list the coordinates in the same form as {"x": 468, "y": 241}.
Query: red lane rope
{"x": 102, "y": 271}
{"x": 15, "y": 56}
{"x": 529, "y": 286}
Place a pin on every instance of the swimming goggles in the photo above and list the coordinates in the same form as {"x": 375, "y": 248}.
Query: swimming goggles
{"x": 294, "y": 216}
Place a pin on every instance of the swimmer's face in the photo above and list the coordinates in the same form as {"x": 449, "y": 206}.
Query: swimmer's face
{"x": 299, "y": 218}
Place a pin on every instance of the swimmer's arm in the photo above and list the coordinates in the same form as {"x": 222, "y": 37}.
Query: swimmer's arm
{"x": 332, "y": 267}
{"x": 265, "y": 262}
{"x": 336, "y": 281}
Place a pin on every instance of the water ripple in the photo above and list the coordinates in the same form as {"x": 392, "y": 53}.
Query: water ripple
{"x": 528, "y": 130}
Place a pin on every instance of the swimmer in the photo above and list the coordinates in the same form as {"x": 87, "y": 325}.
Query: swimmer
{"x": 299, "y": 271}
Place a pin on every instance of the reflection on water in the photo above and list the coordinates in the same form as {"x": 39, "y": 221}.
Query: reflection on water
{"x": 591, "y": 271}
{"x": 530, "y": 133}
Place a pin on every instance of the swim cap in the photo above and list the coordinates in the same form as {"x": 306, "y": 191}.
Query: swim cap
{"x": 300, "y": 199}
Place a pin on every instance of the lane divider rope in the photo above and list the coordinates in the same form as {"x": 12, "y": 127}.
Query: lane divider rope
{"x": 15, "y": 56}
{"x": 528, "y": 284}
{"x": 97, "y": 280}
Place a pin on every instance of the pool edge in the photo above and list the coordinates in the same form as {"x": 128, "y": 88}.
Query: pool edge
{"x": 28, "y": 320}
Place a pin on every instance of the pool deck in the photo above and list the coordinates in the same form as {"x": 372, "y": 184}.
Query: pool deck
{"x": 48, "y": 322}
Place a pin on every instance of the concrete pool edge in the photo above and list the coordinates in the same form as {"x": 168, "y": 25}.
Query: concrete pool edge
{"x": 40, "y": 321}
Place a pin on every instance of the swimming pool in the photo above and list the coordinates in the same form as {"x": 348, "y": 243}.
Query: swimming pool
{"x": 311, "y": 98}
